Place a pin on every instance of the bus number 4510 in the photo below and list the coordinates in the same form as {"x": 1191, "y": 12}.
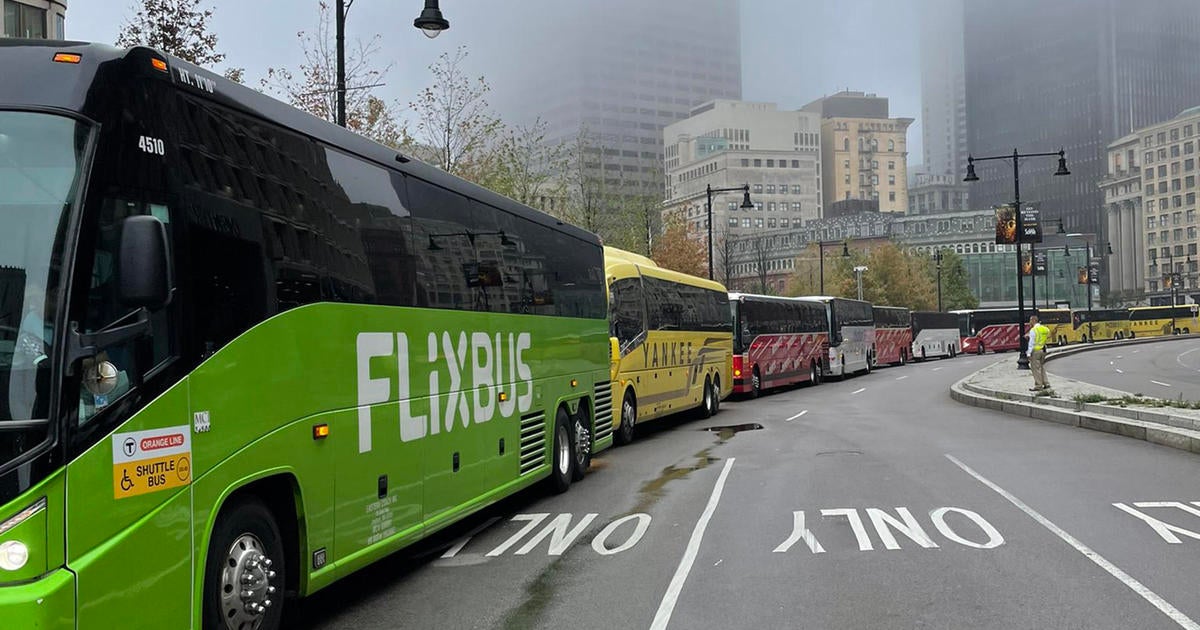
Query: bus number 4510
{"x": 153, "y": 146}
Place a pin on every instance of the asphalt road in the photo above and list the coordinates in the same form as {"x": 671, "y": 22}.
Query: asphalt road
{"x": 1167, "y": 369}
{"x": 916, "y": 512}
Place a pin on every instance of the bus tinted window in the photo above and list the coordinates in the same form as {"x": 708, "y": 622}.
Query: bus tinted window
{"x": 931, "y": 320}
{"x": 891, "y": 317}
{"x": 851, "y": 313}
{"x": 673, "y": 306}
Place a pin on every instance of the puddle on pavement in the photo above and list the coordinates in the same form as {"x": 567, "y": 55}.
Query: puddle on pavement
{"x": 728, "y": 431}
{"x": 652, "y": 490}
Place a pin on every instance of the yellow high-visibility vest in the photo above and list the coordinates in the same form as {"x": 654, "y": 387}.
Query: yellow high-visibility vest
{"x": 1040, "y": 335}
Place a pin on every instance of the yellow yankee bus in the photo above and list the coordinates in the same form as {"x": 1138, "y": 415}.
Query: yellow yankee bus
{"x": 1156, "y": 321}
{"x": 1058, "y": 320}
{"x": 671, "y": 338}
{"x": 1099, "y": 323}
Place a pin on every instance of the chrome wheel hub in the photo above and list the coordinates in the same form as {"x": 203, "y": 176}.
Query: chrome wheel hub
{"x": 247, "y": 584}
{"x": 564, "y": 452}
{"x": 583, "y": 439}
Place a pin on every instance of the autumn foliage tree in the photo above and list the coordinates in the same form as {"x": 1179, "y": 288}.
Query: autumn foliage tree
{"x": 675, "y": 250}
{"x": 178, "y": 28}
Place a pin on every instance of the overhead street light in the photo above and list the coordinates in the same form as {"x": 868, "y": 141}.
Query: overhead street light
{"x": 1015, "y": 156}
{"x": 746, "y": 205}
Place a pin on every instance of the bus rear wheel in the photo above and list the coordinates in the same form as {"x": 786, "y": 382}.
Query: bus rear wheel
{"x": 624, "y": 433}
{"x": 980, "y": 349}
{"x": 755, "y": 383}
{"x": 583, "y": 443}
{"x": 716, "y": 395}
{"x": 707, "y": 408}
{"x": 564, "y": 453}
{"x": 814, "y": 374}
{"x": 243, "y": 576}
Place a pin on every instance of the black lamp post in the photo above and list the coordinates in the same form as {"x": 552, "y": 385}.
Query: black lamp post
{"x": 1175, "y": 278}
{"x": 937, "y": 258}
{"x": 821, "y": 254}
{"x": 1087, "y": 269}
{"x": 746, "y": 205}
{"x": 1022, "y": 358}
{"x": 430, "y": 22}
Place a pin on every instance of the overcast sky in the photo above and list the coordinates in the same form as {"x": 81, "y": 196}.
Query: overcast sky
{"x": 793, "y": 51}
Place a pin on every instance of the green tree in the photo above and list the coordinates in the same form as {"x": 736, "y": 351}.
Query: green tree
{"x": 525, "y": 166}
{"x": 956, "y": 283}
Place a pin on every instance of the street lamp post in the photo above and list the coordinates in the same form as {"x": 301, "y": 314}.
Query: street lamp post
{"x": 746, "y": 205}
{"x": 1175, "y": 280}
{"x": 821, "y": 255}
{"x": 858, "y": 272}
{"x": 430, "y": 22}
{"x": 937, "y": 258}
{"x": 1022, "y": 358}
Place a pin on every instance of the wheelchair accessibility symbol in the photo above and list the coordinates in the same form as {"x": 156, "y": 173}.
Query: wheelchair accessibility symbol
{"x": 126, "y": 482}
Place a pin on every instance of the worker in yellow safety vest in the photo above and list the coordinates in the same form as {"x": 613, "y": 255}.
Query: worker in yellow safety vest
{"x": 1038, "y": 335}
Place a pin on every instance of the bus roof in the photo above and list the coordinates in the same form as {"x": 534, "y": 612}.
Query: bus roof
{"x": 32, "y": 78}
{"x": 619, "y": 263}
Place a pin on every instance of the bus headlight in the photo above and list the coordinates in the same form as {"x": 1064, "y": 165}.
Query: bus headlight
{"x": 13, "y": 555}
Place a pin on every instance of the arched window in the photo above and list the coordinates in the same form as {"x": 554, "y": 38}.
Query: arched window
{"x": 891, "y": 145}
{"x": 874, "y": 144}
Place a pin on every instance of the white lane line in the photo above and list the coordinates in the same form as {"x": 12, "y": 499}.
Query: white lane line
{"x": 1137, "y": 587}
{"x": 1161, "y": 383}
{"x": 1179, "y": 358}
{"x": 667, "y": 606}
{"x": 858, "y": 391}
{"x": 935, "y": 369}
{"x": 901, "y": 378}
{"x": 797, "y": 415}
{"x": 1120, "y": 371}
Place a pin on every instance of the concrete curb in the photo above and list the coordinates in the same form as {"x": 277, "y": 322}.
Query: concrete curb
{"x": 1125, "y": 422}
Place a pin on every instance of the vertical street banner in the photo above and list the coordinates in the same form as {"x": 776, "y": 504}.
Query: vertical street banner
{"x": 1006, "y": 225}
{"x": 1082, "y": 273}
{"x": 1031, "y": 223}
{"x": 1026, "y": 264}
{"x": 1039, "y": 263}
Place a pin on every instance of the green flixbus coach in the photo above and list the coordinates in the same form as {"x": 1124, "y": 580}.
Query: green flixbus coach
{"x": 244, "y": 352}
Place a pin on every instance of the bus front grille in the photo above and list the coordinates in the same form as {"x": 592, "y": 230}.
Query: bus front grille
{"x": 533, "y": 441}
{"x": 603, "y": 416}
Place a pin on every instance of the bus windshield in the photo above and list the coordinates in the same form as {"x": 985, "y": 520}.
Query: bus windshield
{"x": 40, "y": 162}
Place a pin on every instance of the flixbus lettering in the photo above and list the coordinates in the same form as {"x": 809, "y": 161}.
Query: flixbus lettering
{"x": 469, "y": 367}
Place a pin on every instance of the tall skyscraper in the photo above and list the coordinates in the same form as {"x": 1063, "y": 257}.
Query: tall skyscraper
{"x": 622, "y": 70}
{"x": 1075, "y": 74}
{"x": 943, "y": 87}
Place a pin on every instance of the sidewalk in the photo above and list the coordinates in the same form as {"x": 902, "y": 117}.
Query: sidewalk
{"x": 1001, "y": 386}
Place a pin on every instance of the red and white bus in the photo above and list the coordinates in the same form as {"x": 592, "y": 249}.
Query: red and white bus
{"x": 893, "y": 335}
{"x": 776, "y": 341}
{"x": 994, "y": 329}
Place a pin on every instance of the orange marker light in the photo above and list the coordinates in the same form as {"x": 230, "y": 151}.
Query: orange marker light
{"x": 320, "y": 431}
{"x": 503, "y": 396}
{"x": 574, "y": 383}
{"x": 159, "y": 65}
{"x": 67, "y": 57}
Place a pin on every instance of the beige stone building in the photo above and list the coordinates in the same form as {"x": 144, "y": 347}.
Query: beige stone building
{"x": 1124, "y": 218}
{"x": 34, "y": 19}
{"x": 863, "y": 152}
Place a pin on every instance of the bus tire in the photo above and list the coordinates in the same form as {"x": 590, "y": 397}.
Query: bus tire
{"x": 980, "y": 349}
{"x": 923, "y": 355}
{"x": 903, "y": 357}
{"x": 245, "y": 556}
{"x": 582, "y": 442}
{"x": 1132, "y": 335}
{"x": 706, "y": 400}
{"x": 814, "y": 373}
{"x": 562, "y": 466}
{"x": 1187, "y": 331}
{"x": 716, "y": 394}
{"x": 755, "y": 383}
{"x": 870, "y": 362}
{"x": 624, "y": 434}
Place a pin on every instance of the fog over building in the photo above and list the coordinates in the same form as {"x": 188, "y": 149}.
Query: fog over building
{"x": 1075, "y": 74}
{"x": 624, "y": 78}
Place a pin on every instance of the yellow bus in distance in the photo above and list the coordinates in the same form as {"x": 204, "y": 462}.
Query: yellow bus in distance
{"x": 1158, "y": 321}
{"x": 671, "y": 336}
{"x": 1099, "y": 323}
{"x": 1058, "y": 320}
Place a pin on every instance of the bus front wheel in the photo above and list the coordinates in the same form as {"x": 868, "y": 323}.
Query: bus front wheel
{"x": 628, "y": 419}
{"x": 564, "y": 453}
{"x": 243, "y": 577}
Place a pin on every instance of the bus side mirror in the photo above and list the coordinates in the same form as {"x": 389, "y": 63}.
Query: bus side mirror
{"x": 614, "y": 350}
{"x": 143, "y": 264}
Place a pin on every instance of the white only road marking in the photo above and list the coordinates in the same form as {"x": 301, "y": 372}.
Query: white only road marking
{"x": 901, "y": 378}
{"x": 797, "y": 415}
{"x": 1161, "y": 383}
{"x": 1120, "y": 371}
{"x": 1137, "y": 587}
{"x": 858, "y": 391}
{"x": 667, "y": 606}
{"x": 462, "y": 542}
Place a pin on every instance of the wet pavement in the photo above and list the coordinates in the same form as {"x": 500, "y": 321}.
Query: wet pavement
{"x": 874, "y": 502}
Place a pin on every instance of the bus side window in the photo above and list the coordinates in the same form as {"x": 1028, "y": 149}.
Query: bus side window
{"x": 628, "y": 322}
{"x": 133, "y": 360}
